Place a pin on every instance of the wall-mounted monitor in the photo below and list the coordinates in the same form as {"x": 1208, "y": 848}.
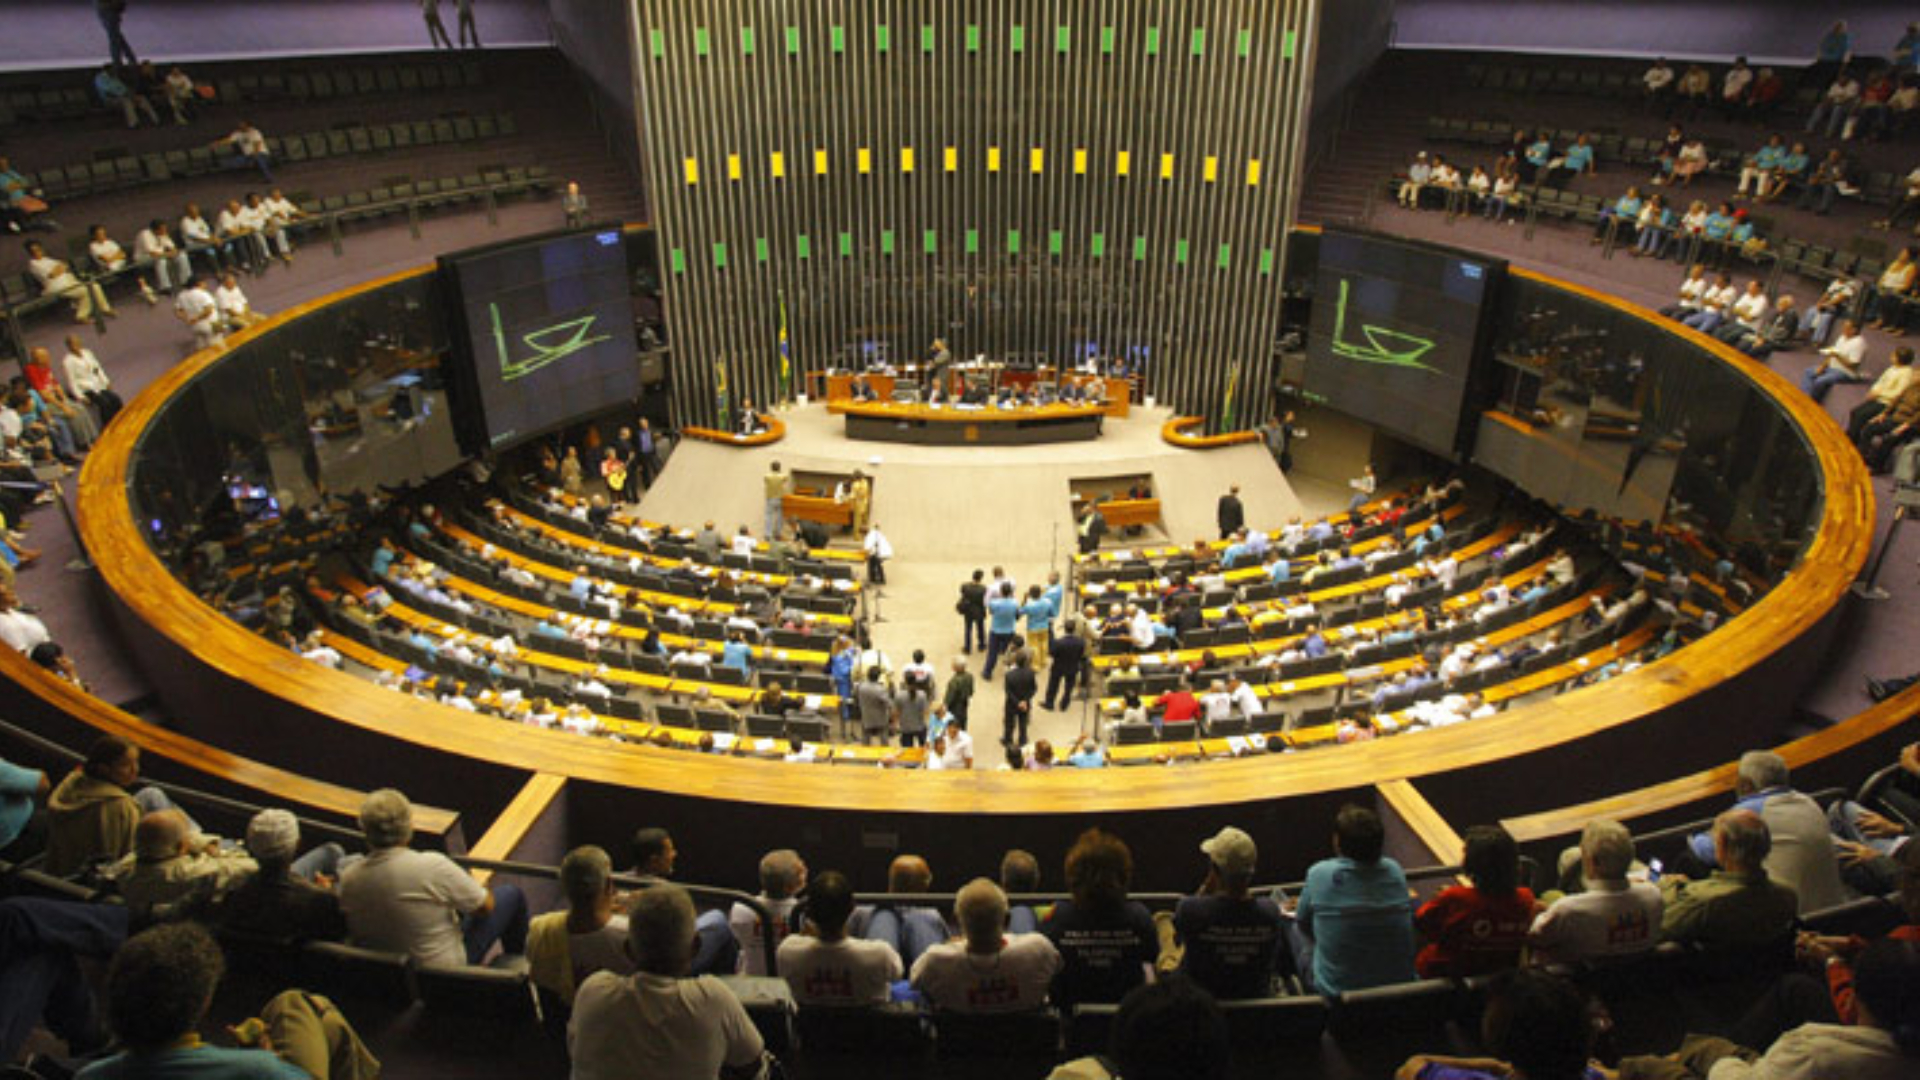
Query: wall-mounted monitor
{"x": 542, "y": 334}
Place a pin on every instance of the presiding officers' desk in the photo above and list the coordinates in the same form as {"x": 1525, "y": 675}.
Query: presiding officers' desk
{"x": 967, "y": 425}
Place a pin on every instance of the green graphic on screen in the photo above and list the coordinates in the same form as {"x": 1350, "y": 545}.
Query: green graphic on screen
{"x": 1384, "y": 346}
{"x": 550, "y": 345}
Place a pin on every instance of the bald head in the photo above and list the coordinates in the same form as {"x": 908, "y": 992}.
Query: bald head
{"x": 909, "y": 874}
{"x": 160, "y": 835}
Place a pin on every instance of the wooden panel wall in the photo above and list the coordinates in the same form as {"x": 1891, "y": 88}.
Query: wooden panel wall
{"x": 1033, "y": 177}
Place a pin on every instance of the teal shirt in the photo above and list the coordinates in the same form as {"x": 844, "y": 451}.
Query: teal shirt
{"x": 1579, "y": 157}
{"x": 1769, "y": 156}
{"x": 1039, "y": 615}
{"x": 1792, "y": 163}
{"x": 1717, "y": 227}
{"x": 1361, "y": 922}
{"x": 1742, "y": 232}
{"x": 13, "y": 186}
{"x": 1539, "y": 152}
{"x": 1628, "y": 207}
{"x": 17, "y": 788}
{"x": 1003, "y": 614}
{"x": 195, "y": 1063}
{"x": 736, "y": 654}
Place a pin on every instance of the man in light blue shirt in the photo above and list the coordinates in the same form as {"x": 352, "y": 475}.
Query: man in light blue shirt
{"x": 1353, "y": 925}
{"x": 1038, "y": 611}
{"x": 1003, "y": 619}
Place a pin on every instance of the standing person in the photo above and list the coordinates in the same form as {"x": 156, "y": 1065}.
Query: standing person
{"x": 876, "y": 708}
{"x": 613, "y": 469}
{"x": 574, "y": 204}
{"x": 111, "y": 12}
{"x": 647, "y": 453}
{"x": 467, "y": 27}
{"x": 1069, "y": 653}
{"x": 972, "y": 607}
{"x": 1020, "y": 687}
{"x": 1230, "y": 515}
{"x": 878, "y": 550}
{"x": 436, "y": 30}
{"x": 776, "y": 485}
{"x": 860, "y": 495}
{"x": 959, "y": 692}
{"x": 571, "y": 474}
{"x": 1091, "y": 528}
{"x": 1003, "y": 616}
{"x": 910, "y": 711}
{"x": 1038, "y": 611}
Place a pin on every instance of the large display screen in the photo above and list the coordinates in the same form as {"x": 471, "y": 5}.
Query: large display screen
{"x": 1396, "y": 329}
{"x": 545, "y": 334}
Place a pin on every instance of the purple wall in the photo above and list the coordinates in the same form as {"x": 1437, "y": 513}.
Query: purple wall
{"x": 597, "y": 37}
{"x": 1769, "y": 30}
{"x": 66, "y": 33}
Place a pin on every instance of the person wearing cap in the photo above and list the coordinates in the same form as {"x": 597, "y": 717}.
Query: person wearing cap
{"x": 287, "y": 898}
{"x": 1227, "y": 940}
{"x": 1353, "y": 924}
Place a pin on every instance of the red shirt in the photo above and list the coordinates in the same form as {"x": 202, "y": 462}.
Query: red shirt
{"x": 40, "y": 377}
{"x": 1180, "y": 705}
{"x": 1840, "y": 976}
{"x": 1470, "y": 933}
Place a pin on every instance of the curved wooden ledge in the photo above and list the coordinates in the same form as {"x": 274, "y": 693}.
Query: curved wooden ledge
{"x": 1174, "y": 431}
{"x": 276, "y": 786}
{"x": 1797, "y": 605}
{"x": 776, "y": 430}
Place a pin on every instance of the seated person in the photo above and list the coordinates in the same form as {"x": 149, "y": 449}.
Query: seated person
{"x": 1738, "y": 907}
{"x": 1611, "y": 915}
{"x": 286, "y": 899}
{"x": 908, "y": 930}
{"x": 1353, "y": 923}
{"x": 171, "y": 871}
{"x": 861, "y": 389}
{"x": 1800, "y": 854}
{"x": 1479, "y": 928}
{"x": 825, "y": 966}
{"x": 565, "y": 948}
{"x": 1107, "y": 942}
{"x": 91, "y": 815}
{"x": 751, "y": 422}
{"x": 987, "y": 971}
{"x": 1536, "y": 1027}
{"x": 662, "y": 1020}
{"x": 1228, "y": 940}
{"x": 421, "y": 902}
{"x": 1019, "y": 875}
{"x": 158, "y": 991}
{"x": 782, "y": 876}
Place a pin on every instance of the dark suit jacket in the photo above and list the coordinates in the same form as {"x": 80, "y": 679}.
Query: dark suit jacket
{"x": 1231, "y": 514}
{"x": 1021, "y": 686}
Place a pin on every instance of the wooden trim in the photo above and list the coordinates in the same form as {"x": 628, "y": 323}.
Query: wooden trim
{"x": 503, "y": 837}
{"x": 277, "y": 787}
{"x": 1174, "y": 432}
{"x": 1718, "y": 781}
{"x": 1425, "y": 822}
{"x": 1797, "y": 605}
{"x": 776, "y": 430}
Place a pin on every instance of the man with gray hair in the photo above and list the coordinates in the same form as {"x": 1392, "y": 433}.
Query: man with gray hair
{"x": 287, "y": 899}
{"x": 1611, "y": 916}
{"x": 1802, "y": 855}
{"x": 1739, "y": 907}
{"x": 421, "y": 902}
{"x": 565, "y": 948}
{"x": 660, "y": 1021}
{"x": 782, "y": 876}
{"x": 988, "y": 970}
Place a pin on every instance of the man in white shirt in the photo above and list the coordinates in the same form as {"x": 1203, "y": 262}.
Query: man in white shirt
{"x": 57, "y": 279}
{"x": 196, "y": 307}
{"x": 1216, "y": 704}
{"x": 1241, "y": 693}
{"x": 1749, "y": 311}
{"x": 268, "y": 225}
{"x": 952, "y": 750}
{"x": 316, "y": 649}
{"x": 658, "y": 1021}
{"x": 824, "y": 966}
{"x": 1691, "y": 291}
{"x": 420, "y": 902}
{"x": 154, "y": 247}
{"x": 1658, "y": 80}
{"x": 249, "y": 149}
{"x": 782, "y": 876}
{"x": 1839, "y": 362}
{"x": 742, "y": 542}
{"x": 235, "y": 311}
{"x": 17, "y": 628}
{"x": 234, "y": 229}
{"x": 1612, "y": 916}
{"x": 878, "y": 550}
{"x": 988, "y": 971}
{"x": 88, "y": 381}
{"x": 196, "y": 233}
